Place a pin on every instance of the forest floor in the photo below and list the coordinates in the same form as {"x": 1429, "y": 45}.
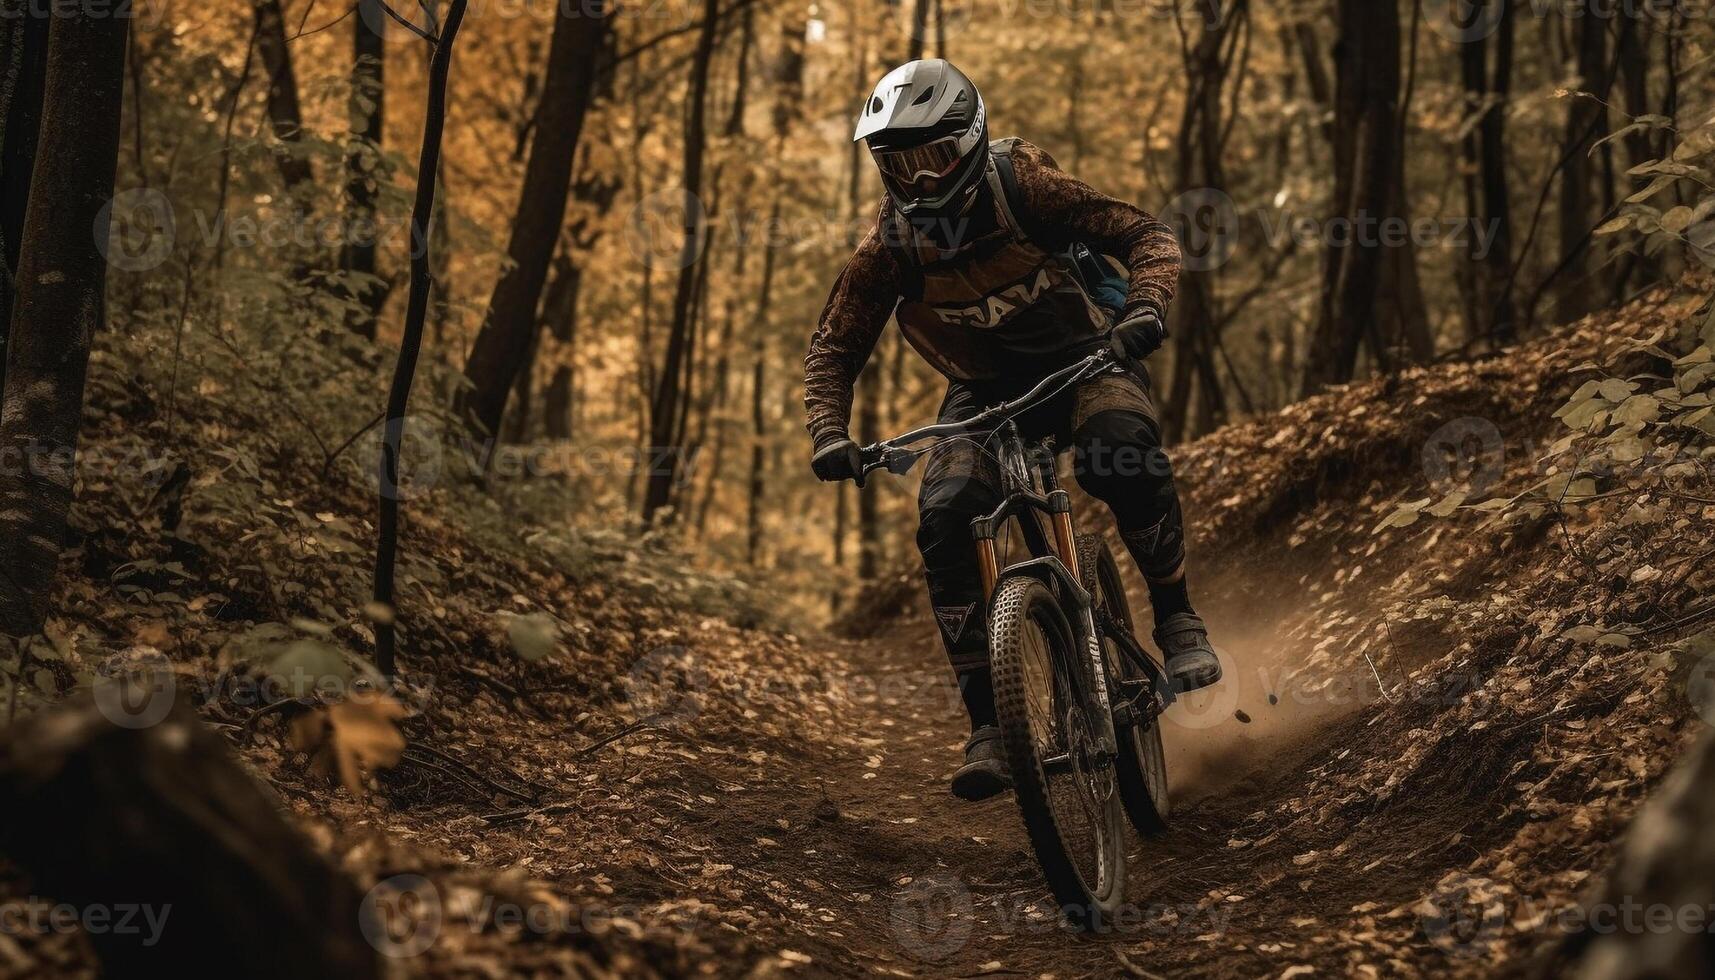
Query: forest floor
{"x": 1428, "y": 741}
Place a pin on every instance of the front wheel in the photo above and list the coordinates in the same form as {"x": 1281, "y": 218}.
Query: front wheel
{"x": 1142, "y": 763}
{"x": 1066, "y": 793}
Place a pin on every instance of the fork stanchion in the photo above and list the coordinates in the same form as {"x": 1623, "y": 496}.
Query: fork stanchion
{"x": 1060, "y": 504}
{"x": 989, "y": 567}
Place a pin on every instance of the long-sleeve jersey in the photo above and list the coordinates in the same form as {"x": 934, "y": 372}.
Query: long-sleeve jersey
{"x": 1052, "y": 209}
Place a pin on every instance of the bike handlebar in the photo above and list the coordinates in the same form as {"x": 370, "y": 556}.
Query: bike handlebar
{"x": 897, "y": 456}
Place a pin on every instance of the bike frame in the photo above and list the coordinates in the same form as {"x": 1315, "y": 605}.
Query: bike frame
{"x": 1031, "y": 494}
{"x": 1031, "y": 491}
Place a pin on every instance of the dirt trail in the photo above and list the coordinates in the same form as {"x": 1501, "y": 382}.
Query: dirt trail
{"x": 873, "y": 867}
{"x": 891, "y": 874}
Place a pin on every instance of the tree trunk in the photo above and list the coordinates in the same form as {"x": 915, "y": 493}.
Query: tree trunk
{"x": 664, "y": 441}
{"x": 504, "y": 340}
{"x": 1405, "y": 310}
{"x": 62, "y": 276}
{"x": 410, "y": 340}
{"x": 1202, "y": 132}
{"x": 789, "y": 90}
{"x": 919, "y": 30}
{"x": 363, "y": 169}
{"x": 1489, "y": 311}
{"x": 1366, "y": 147}
{"x": 758, "y": 415}
{"x": 23, "y": 70}
{"x": 161, "y": 824}
{"x": 1474, "y": 76}
{"x": 284, "y": 116}
{"x": 560, "y": 315}
{"x": 869, "y": 381}
{"x": 1640, "y": 144}
{"x": 1586, "y": 122}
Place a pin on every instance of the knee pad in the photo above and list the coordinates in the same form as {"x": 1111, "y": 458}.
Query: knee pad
{"x": 1119, "y": 459}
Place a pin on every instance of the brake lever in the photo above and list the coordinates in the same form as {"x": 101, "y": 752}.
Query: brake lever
{"x": 895, "y": 459}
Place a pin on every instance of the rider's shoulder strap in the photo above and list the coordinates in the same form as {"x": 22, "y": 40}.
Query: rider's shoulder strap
{"x": 1004, "y": 179}
{"x": 896, "y": 238}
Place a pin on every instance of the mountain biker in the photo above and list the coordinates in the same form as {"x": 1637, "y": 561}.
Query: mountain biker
{"x": 972, "y": 252}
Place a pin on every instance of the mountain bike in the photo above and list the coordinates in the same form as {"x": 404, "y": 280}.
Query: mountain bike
{"x": 1078, "y": 699}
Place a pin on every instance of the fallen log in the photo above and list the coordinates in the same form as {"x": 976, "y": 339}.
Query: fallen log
{"x": 170, "y": 853}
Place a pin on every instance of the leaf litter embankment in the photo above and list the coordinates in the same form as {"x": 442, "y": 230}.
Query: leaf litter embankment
{"x": 1449, "y": 714}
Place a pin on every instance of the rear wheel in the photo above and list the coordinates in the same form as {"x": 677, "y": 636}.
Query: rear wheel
{"x": 1069, "y": 800}
{"x": 1142, "y": 764}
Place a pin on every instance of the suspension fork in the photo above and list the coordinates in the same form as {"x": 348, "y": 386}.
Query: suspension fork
{"x": 1060, "y": 511}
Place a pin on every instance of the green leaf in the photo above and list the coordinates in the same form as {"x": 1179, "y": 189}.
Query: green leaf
{"x": 1626, "y": 449}
{"x": 1615, "y": 225}
{"x": 1695, "y": 376}
{"x": 533, "y": 637}
{"x": 1656, "y": 186}
{"x": 1617, "y": 389}
{"x": 1586, "y": 415}
{"x": 308, "y": 666}
{"x": 1677, "y": 220}
{"x": 1638, "y": 410}
{"x": 1406, "y": 515}
{"x": 1447, "y": 504}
